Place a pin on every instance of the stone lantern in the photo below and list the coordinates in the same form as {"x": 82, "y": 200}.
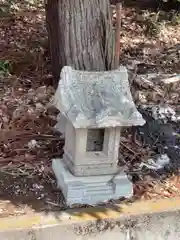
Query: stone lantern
{"x": 94, "y": 107}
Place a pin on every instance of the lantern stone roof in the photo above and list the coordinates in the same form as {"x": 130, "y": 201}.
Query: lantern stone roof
{"x": 96, "y": 99}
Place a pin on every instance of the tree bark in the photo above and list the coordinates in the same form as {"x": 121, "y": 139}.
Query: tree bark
{"x": 80, "y": 34}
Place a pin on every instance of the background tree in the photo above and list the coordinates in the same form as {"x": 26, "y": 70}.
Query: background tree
{"x": 80, "y": 34}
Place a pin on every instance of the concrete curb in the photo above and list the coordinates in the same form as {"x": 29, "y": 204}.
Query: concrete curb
{"x": 85, "y": 222}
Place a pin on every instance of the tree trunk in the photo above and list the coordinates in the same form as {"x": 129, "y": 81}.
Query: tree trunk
{"x": 80, "y": 34}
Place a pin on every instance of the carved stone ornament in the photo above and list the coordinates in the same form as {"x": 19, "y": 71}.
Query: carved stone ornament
{"x": 93, "y": 108}
{"x": 96, "y": 99}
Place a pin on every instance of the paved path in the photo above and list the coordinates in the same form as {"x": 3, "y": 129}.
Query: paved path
{"x": 137, "y": 221}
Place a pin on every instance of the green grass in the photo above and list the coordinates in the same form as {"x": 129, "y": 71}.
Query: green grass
{"x": 5, "y": 68}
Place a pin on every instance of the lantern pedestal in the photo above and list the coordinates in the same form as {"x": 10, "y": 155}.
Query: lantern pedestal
{"x": 90, "y": 189}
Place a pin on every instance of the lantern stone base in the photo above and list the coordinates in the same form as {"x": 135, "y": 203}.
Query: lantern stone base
{"x": 90, "y": 189}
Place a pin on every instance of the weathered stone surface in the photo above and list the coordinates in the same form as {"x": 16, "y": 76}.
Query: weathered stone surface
{"x": 90, "y": 189}
{"x": 93, "y": 106}
{"x": 82, "y": 159}
{"x": 96, "y": 99}
{"x": 61, "y": 123}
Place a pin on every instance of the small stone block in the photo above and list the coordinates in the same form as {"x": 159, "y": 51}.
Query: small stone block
{"x": 61, "y": 123}
{"x": 90, "y": 189}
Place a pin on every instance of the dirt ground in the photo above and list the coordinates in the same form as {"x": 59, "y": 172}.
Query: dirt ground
{"x": 149, "y": 39}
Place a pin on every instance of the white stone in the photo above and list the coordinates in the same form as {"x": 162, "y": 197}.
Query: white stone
{"x": 156, "y": 164}
{"x": 61, "y": 123}
{"x": 90, "y": 189}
